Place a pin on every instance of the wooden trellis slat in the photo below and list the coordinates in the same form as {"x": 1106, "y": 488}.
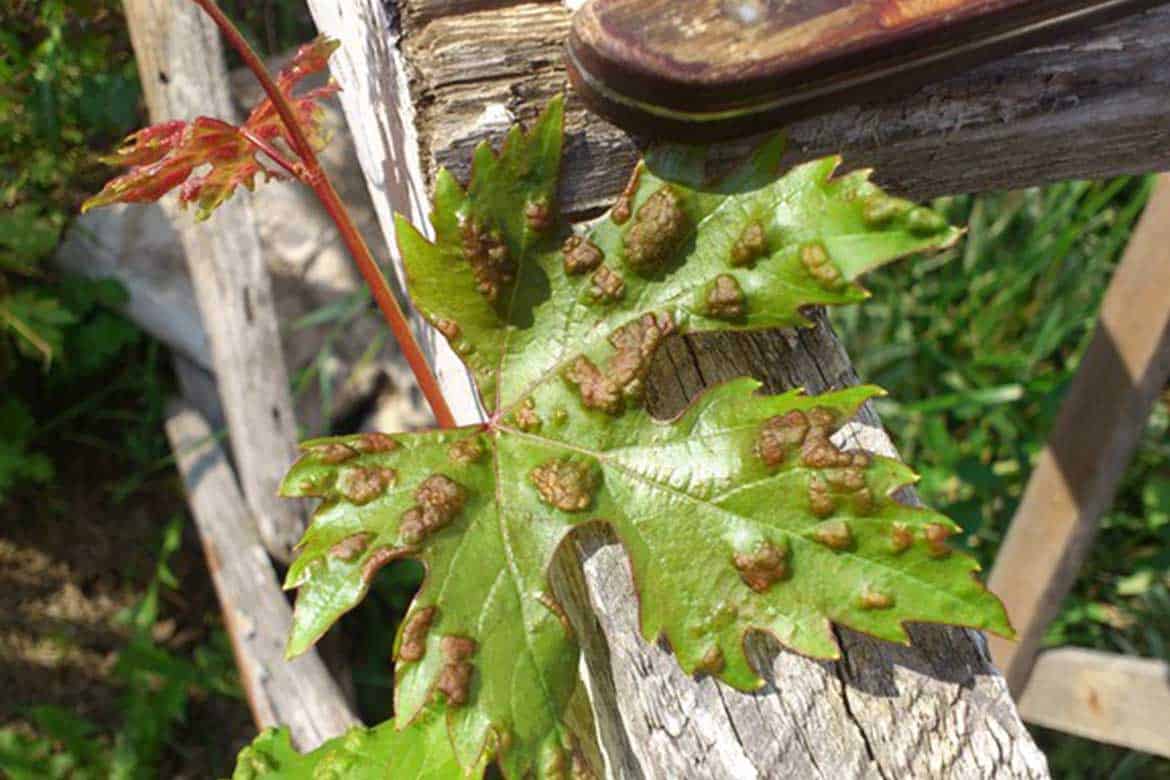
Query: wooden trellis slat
{"x": 1125, "y": 368}
{"x": 299, "y": 694}
{"x": 181, "y": 67}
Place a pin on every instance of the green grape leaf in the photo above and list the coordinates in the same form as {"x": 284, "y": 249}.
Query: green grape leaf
{"x": 741, "y": 514}
{"x": 421, "y": 752}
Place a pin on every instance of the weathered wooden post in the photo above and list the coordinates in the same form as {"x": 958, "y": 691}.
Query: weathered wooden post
{"x": 426, "y": 82}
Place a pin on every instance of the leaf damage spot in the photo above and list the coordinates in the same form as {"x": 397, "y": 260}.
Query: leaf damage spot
{"x": 936, "y": 540}
{"x": 658, "y": 228}
{"x": 712, "y": 662}
{"x": 581, "y": 255}
{"x": 525, "y": 417}
{"x": 538, "y": 215}
{"x": 834, "y": 534}
{"x": 819, "y": 265}
{"x": 414, "y": 633}
{"x": 565, "y": 484}
{"x": 900, "y": 538}
{"x": 440, "y": 499}
{"x": 606, "y": 285}
{"x": 779, "y": 435}
{"x": 488, "y": 255}
{"x": 361, "y": 485}
{"x": 725, "y": 299}
{"x": 332, "y": 452}
{"x": 922, "y": 221}
{"x": 455, "y": 677}
{"x": 879, "y": 209}
{"x": 351, "y": 547}
{"x": 623, "y": 378}
{"x": 374, "y": 443}
{"x": 449, "y": 328}
{"x": 625, "y": 202}
{"x": 764, "y": 567}
{"x": 873, "y": 599}
{"x": 466, "y": 451}
{"x": 751, "y": 245}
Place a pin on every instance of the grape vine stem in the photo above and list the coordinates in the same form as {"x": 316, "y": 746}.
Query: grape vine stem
{"x": 311, "y": 173}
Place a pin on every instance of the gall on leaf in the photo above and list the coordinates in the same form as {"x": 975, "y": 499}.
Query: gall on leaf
{"x": 174, "y": 154}
{"x": 744, "y": 513}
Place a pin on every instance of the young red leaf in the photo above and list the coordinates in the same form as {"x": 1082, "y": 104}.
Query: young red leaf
{"x": 167, "y": 155}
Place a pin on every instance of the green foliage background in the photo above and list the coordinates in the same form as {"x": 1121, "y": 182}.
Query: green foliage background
{"x": 976, "y": 347}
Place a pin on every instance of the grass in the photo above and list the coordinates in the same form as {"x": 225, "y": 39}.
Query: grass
{"x": 977, "y": 348}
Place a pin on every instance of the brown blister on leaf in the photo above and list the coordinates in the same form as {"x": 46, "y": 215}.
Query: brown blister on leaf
{"x": 834, "y": 534}
{"x": 623, "y": 377}
{"x": 449, "y": 328}
{"x": 525, "y": 417}
{"x": 657, "y": 230}
{"x": 564, "y": 484}
{"x": 538, "y": 216}
{"x": 361, "y": 485}
{"x": 440, "y": 499}
{"x": 925, "y": 222}
{"x": 763, "y": 567}
{"x": 779, "y": 435}
{"x": 374, "y": 443}
{"x": 466, "y": 451}
{"x": 414, "y": 634}
{"x": 820, "y": 266}
{"x": 820, "y": 499}
{"x": 873, "y": 599}
{"x": 625, "y": 202}
{"x": 751, "y": 245}
{"x": 712, "y": 662}
{"x": 725, "y": 299}
{"x": 351, "y": 547}
{"x": 817, "y": 451}
{"x": 455, "y": 677}
{"x": 901, "y": 538}
{"x": 488, "y": 255}
{"x": 581, "y": 255}
{"x": 606, "y": 285}
{"x": 332, "y": 453}
{"x": 879, "y": 209}
{"x": 936, "y": 540}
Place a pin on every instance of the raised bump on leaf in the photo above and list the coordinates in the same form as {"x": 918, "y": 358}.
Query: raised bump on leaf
{"x": 565, "y": 484}
{"x": 440, "y": 499}
{"x": 375, "y": 442}
{"x": 467, "y": 451}
{"x": 936, "y": 540}
{"x": 488, "y": 255}
{"x": 820, "y": 266}
{"x": 901, "y": 537}
{"x": 763, "y": 567}
{"x": 525, "y": 417}
{"x": 538, "y": 215}
{"x": 658, "y": 228}
{"x": 455, "y": 678}
{"x": 351, "y": 547}
{"x": 362, "y": 484}
{"x": 875, "y": 599}
{"x": 581, "y": 255}
{"x": 725, "y": 299}
{"x": 751, "y": 245}
{"x": 835, "y": 534}
{"x": 414, "y": 633}
{"x": 606, "y": 285}
{"x": 779, "y": 435}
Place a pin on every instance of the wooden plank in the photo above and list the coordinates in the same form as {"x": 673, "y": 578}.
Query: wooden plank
{"x": 180, "y": 61}
{"x": 1100, "y": 424}
{"x": 937, "y": 708}
{"x": 299, "y": 694}
{"x": 1103, "y": 696}
{"x": 1093, "y": 105}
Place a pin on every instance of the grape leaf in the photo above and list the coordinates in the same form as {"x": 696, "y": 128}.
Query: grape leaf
{"x": 421, "y": 752}
{"x": 741, "y": 514}
{"x": 166, "y": 155}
